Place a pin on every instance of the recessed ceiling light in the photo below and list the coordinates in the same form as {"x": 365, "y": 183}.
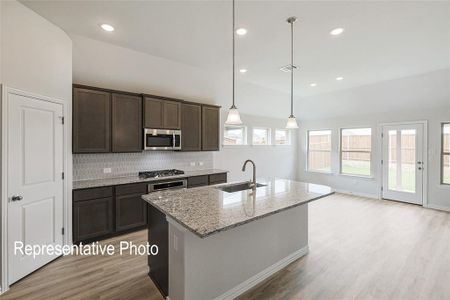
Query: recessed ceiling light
{"x": 313, "y": 84}
{"x": 241, "y": 31}
{"x": 243, "y": 70}
{"x": 337, "y": 31}
{"x": 339, "y": 78}
{"x": 107, "y": 27}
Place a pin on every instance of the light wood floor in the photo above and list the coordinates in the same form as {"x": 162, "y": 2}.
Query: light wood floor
{"x": 359, "y": 249}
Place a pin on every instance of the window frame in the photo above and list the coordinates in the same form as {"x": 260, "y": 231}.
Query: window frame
{"x": 370, "y": 152}
{"x": 245, "y": 136}
{"x": 269, "y": 136}
{"x": 288, "y": 135}
{"x": 331, "y": 152}
{"x": 443, "y": 154}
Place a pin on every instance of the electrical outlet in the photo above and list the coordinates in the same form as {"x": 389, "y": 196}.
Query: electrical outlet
{"x": 106, "y": 170}
{"x": 175, "y": 242}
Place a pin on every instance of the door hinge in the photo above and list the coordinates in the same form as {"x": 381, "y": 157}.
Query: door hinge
{"x": 62, "y": 175}
{"x": 381, "y": 188}
{"x": 382, "y": 162}
{"x": 382, "y": 135}
{"x": 62, "y": 231}
{"x": 62, "y": 119}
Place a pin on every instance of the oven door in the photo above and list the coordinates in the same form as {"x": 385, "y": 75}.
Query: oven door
{"x": 161, "y": 139}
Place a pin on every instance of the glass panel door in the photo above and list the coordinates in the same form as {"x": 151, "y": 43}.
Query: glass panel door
{"x": 402, "y": 163}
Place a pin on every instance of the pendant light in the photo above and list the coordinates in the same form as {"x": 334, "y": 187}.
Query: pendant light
{"x": 292, "y": 122}
{"x": 233, "y": 114}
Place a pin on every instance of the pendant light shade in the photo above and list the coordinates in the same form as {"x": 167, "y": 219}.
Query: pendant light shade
{"x": 233, "y": 114}
{"x": 234, "y": 118}
{"x": 292, "y": 122}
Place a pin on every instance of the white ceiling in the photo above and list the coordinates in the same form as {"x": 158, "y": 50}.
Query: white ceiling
{"x": 383, "y": 40}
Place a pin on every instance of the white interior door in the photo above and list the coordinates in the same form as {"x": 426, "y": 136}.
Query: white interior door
{"x": 35, "y": 186}
{"x": 403, "y": 163}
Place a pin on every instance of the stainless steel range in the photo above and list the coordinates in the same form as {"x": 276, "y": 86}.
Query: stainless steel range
{"x": 164, "y": 184}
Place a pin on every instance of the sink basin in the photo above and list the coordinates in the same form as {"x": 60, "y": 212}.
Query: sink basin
{"x": 236, "y": 187}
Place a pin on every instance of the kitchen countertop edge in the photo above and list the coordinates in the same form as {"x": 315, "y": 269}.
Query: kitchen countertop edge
{"x": 113, "y": 181}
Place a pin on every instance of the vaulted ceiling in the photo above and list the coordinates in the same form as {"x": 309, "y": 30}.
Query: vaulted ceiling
{"x": 382, "y": 40}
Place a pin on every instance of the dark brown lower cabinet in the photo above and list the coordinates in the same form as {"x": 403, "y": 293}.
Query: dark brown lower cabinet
{"x": 158, "y": 234}
{"x": 131, "y": 210}
{"x": 92, "y": 218}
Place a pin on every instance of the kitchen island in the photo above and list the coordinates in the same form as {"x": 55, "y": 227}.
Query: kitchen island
{"x": 217, "y": 244}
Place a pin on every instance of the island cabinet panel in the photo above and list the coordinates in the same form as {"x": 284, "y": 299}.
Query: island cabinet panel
{"x": 126, "y": 123}
{"x": 158, "y": 234}
{"x": 92, "y": 216}
{"x": 210, "y": 128}
{"x": 91, "y": 121}
{"x": 161, "y": 114}
{"x": 131, "y": 210}
{"x": 191, "y": 127}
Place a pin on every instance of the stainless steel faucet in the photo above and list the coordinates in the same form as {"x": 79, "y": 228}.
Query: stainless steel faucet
{"x": 253, "y": 184}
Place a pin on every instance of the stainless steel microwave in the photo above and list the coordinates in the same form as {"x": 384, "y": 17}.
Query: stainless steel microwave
{"x": 162, "y": 139}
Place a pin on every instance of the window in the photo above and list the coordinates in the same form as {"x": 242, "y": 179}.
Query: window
{"x": 261, "y": 136}
{"x": 319, "y": 150}
{"x": 356, "y": 147}
{"x": 235, "y": 135}
{"x": 282, "y": 137}
{"x": 445, "y": 153}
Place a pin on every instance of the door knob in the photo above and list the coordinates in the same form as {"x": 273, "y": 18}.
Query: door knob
{"x": 16, "y": 198}
{"x": 420, "y": 168}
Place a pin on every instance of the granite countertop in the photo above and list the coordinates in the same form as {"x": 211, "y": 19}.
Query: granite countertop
{"x": 208, "y": 210}
{"x": 84, "y": 184}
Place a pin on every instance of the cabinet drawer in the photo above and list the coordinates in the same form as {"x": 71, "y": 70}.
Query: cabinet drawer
{"x": 131, "y": 189}
{"x": 94, "y": 193}
{"x": 217, "y": 178}
{"x": 197, "y": 181}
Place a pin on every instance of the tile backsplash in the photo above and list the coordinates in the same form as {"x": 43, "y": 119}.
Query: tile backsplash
{"x": 91, "y": 166}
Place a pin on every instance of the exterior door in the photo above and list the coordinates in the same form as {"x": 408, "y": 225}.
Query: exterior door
{"x": 35, "y": 186}
{"x": 403, "y": 163}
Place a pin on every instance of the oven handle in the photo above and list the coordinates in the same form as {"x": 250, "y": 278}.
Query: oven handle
{"x": 151, "y": 186}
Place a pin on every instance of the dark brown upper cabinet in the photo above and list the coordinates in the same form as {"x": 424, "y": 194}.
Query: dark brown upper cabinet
{"x": 91, "y": 121}
{"x": 191, "y": 127}
{"x": 126, "y": 123}
{"x": 210, "y": 128}
{"x": 162, "y": 114}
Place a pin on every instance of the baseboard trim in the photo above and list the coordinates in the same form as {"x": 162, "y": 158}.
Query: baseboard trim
{"x": 438, "y": 207}
{"x": 366, "y": 195}
{"x": 261, "y": 276}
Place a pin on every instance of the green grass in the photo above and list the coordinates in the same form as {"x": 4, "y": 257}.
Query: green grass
{"x": 355, "y": 168}
{"x": 408, "y": 178}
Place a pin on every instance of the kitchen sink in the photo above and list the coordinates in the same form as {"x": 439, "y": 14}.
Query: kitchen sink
{"x": 236, "y": 187}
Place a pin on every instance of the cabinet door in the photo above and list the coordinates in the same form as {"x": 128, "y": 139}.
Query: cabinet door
{"x": 127, "y": 133}
{"x": 171, "y": 115}
{"x": 153, "y": 113}
{"x": 92, "y": 219}
{"x": 91, "y": 121}
{"x": 131, "y": 209}
{"x": 191, "y": 127}
{"x": 210, "y": 128}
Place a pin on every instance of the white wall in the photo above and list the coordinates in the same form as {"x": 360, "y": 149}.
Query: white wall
{"x": 366, "y": 114}
{"x": 36, "y": 57}
{"x": 271, "y": 161}
{"x": 101, "y": 64}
